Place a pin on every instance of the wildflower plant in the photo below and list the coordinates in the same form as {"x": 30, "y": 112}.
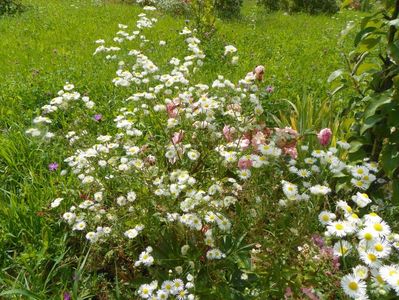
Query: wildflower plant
{"x": 171, "y": 190}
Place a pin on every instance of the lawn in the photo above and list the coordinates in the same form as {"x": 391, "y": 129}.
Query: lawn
{"x": 52, "y": 43}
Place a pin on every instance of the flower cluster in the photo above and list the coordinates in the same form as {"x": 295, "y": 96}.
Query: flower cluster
{"x": 367, "y": 239}
{"x": 181, "y": 154}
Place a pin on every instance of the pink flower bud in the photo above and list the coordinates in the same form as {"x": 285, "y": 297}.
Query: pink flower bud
{"x": 177, "y": 137}
{"x": 244, "y": 163}
{"x": 228, "y": 133}
{"x": 324, "y": 136}
{"x": 259, "y": 72}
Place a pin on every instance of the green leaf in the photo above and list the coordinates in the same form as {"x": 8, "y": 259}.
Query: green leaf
{"x": 346, "y": 3}
{"x": 355, "y": 146}
{"x": 394, "y": 23}
{"x": 368, "y": 67}
{"x": 390, "y": 158}
{"x": 368, "y": 44}
{"x": 376, "y": 103}
{"x": 363, "y": 33}
{"x": 20, "y": 292}
{"x": 334, "y": 75}
{"x": 370, "y": 122}
{"x": 393, "y": 52}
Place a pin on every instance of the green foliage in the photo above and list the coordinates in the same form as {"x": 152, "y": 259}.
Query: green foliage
{"x": 372, "y": 73}
{"x": 10, "y": 7}
{"x": 228, "y": 8}
{"x": 203, "y": 12}
{"x": 362, "y": 5}
{"x": 308, "y": 6}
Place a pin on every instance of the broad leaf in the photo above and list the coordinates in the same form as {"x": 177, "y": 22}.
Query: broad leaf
{"x": 375, "y": 103}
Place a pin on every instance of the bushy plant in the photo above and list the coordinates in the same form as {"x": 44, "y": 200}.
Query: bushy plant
{"x": 190, "y": 188}
{"x": 372, "y": 74}
{"x": 10, "y": 7}
{"x": 228, "y": 8}
{"x": 309, "y": 6}
{"x": 203, "y": 14}
{"x": 177, "y": 7}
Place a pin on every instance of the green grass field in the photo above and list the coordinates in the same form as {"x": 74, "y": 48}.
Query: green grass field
{"x": 53, "y": 42}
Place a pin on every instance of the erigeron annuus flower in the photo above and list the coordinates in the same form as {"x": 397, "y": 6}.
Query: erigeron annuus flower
{"x": 361, "y": 272}
{"x": 389, "y": 273}
{"x": 319, "y": 190}
{"x": 244, "y": 174}
{"x": 359, "y": 183}
{"x": 361, "y": 199}
{"x": 145, "y": 258}
{"x": 370, "y": 258}
{"x": 132, "y": 233}
{"x": 379, "y": 227}
{"x": 339, "y": 228}
{"x": 215, "y": 253}
{"x": 303, "y": 173}
{"x": 367, "y": 235}
{"x": 325, "y": 217}
{"x": 359, "y": 171}
{"x": 344, "y": 207}
{"x": 92, "y": 236}
{"x": 193, "y": 154}
{"x": 353, "y": 286}
{"x": 81, "y": 225}
{"x": 342, "y": 248}
{"x": 381, "y": 247}
{"x": 229, "y": 49}
{"x": 318, "y": 153}
{"x": 56, "y": 202}
{"x": 289, "y": 189}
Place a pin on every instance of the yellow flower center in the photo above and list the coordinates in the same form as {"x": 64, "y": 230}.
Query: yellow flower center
{"x": 368, "y": 236}
{"x": 360, "y": 171}
{"x": 378, "y": 247}
{"x": 378, "y": 227}
{"x": 355, "y": 216}
{"x": 372, "y": 257}
{"x": 365, "y": 195}
{"x": 339, "y": 226}
{"x": 353, "y": 286}
{"x": 325, "y": 218}
{"x": 373, "y": 214}
{"x": 379, "y": 279}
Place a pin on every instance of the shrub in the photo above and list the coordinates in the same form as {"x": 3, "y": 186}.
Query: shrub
{"x": 372, "y": 73}
{"x": 228, "y": 8}
{"x": 193, "y": 185}
{"x": 177, "y": 7}
{"x": 308, "y": 6}
{"x": 10, "y": 7}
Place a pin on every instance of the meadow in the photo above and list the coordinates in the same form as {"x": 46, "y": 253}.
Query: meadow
{"x": 269, "y": 250}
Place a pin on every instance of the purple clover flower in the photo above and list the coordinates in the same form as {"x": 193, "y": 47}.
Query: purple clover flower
{"x": 53, "y": 166}
{"x": 98, "y": 117}
{"x": 270, "y": 89}
{"x": 67, "y": 296}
